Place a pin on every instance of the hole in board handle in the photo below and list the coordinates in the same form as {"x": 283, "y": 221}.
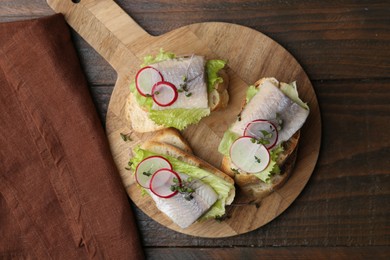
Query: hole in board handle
{"x": 75, "y": 1}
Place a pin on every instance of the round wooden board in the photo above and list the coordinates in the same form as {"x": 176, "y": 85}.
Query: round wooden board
{"x": 251, "y": 56}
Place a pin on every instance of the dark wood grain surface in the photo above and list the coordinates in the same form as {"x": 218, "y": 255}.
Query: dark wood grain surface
{"x": 344, "y": 46}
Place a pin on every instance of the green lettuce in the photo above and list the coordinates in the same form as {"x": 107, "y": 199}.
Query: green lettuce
{"x": 219, "y": 185}
{"x": 212, "y": 69}
{"x": 144, "y": 102}
{"x": 161, "y": 56}
{"x": 227, "y": 140}
{"x": 178, "y": 118}
{"x": 250, "y": 93}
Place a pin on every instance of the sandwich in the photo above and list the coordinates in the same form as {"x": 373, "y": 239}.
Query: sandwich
{"x": 260, "y": 147}
{"x": 170, "y": 91}
{"x": 185, "y": 188}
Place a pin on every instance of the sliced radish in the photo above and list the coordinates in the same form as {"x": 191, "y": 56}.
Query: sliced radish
{"x": 164, "y": 93}
{"x": 161, "y": 183}
{"x": 147, "y": 167}
{"x": 264, "y": 131}
{"x": 146, "y": 78}
{"x": 248, "y": 155}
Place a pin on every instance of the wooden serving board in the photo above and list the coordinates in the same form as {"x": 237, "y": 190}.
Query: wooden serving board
{"x": 251, "y": 56}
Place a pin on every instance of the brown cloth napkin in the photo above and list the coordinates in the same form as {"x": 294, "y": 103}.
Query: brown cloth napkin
{"x": 60, "y": 194}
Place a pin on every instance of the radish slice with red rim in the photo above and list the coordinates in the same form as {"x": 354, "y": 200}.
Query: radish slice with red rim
{"x": 146, "y": 78}
{"x": 263, "y": 131}
{"x": 161, "y": 183}
{"x": 164, "y": 93}
{"x": 248, "y": 155}
{"x": 147, "y": 167}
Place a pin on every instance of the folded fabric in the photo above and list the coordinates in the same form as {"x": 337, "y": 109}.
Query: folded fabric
{"x": 60, "y": 194}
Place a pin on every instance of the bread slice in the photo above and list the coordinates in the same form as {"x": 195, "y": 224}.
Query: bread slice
{"x": 172, "y": 137}
{"x": 140, "y": 121}
{"x": 252, "y": 186}
{"x": 171, "y": 150}
{"x": 138, "y": 118}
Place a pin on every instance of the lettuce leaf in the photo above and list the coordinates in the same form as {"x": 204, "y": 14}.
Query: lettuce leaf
{"x": 227, "y": 140}
{"x": 144, "y": 102}
{"x": 250, "y": 93}
{"x": 291, "y": 91}
{"x": 220, "y": 186}
{"x": 161, "y": 56}
{"x": 178, "y": 118}
{"x": 212, "y": 69}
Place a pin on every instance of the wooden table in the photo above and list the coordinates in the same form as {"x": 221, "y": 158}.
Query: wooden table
{"x": 345, "y": 49}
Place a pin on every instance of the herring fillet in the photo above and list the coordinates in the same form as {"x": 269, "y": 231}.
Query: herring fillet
{"x": 185, "y": 212}
{"x": 193, "y": 68}
{"x": 266, "y": 104}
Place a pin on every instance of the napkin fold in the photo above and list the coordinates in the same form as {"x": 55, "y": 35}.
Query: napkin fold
{"x": 60, "y": 194}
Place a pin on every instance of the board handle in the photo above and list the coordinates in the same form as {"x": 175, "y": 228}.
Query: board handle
{"x": 105, "y": 26}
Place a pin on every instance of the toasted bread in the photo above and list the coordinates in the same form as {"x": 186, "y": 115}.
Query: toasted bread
{"x": 253, "y": 186}
{"x": 138, "y": 118}
{"x": 172, "y": 137}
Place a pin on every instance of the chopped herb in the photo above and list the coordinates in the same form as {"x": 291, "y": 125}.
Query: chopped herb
{"x": 127, "y": 168}
{"x": 235, "y": 170}
{"x": 266, "y": 134}
{"x": 239, "y": 117}
{"x": 144, "y": 192}
{"x": 148, "y": 173}
{"x": 263, "y": 141}
{"x": 156, "y": 93}
{"x": 123, "y": 136}
{"x": 188, "y": 196}
{"x": 185, "y": 188}
{"x": 257, "y": 159}
{"x": 126, "y": 137}
{"x": 184, "y": 86}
